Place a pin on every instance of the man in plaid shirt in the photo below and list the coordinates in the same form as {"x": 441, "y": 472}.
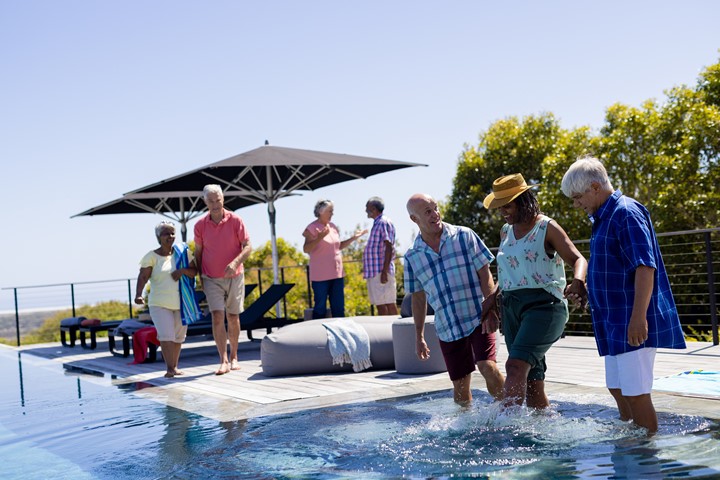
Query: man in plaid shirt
{"x": 633, "y": 310}
{"x": 378, "y": 259}
{"x": 448, "y": 267}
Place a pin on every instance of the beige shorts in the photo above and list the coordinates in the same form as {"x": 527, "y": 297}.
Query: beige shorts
{"x": 225, "y": 294}
{"x": 382, "y": 293}
{"x": 168, "y": 324}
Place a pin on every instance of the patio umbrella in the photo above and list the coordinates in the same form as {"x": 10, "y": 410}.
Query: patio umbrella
{"x": 269, "y": 173}
{"x": 179, "y": 206}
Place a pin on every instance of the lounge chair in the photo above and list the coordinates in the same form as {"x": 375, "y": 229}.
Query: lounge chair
{"x": 69, "y": 327}
{"x": 252, "y": 318}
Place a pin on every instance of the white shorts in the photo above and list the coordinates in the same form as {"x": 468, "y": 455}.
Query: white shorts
{"x": 382, "y": 293}
{"x": 631, "y": 372}
{"x": 168, "y": 324}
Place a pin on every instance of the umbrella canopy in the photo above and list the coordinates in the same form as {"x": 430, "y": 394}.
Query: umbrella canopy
{"x": 179, "y": 206}
{"x": 263, "y": 175}
{"x": 269, "y": 173}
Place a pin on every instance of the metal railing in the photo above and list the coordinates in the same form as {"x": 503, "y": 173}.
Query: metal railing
{"x": 691, "y": 259}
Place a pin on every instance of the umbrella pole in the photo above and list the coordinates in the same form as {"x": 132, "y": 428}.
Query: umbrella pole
{"x": 273, "y": 243}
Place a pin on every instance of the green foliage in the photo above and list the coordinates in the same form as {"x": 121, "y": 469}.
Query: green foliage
{"x": 292, "y": 269}
{"x": 665, "y": 154}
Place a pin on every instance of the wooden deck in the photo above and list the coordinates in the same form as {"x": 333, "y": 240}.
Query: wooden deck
{"x": 573, "y": 367}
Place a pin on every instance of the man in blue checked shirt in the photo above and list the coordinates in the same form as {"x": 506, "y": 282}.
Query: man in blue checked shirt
{"x": 379, "y": 259}
{"x": 448, "y": 267}
{"x": 633, "y": 310}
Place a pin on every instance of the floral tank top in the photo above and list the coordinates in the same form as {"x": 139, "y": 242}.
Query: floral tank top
{"x": 524, "y": 263}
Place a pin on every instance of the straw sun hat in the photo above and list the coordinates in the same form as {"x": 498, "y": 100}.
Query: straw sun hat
{"x": 506, "y": 189}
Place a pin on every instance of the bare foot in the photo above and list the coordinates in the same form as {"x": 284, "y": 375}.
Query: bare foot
{"x": 234, "y": 365}
{"x": 179, "y": 372}
{"x": 224, "y": 368}
{"x": 169, "y": 374}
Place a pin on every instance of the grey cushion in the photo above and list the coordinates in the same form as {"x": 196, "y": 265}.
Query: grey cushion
{"x": 406, "y": 307}
{"x": 406, "y": 360}
{"x": 302, "y": 348}
{"x": 71, "y": 321}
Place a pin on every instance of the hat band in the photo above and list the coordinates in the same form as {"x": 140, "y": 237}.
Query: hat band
{"x": 509, "y": 192}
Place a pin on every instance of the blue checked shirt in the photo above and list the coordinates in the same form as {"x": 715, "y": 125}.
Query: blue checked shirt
{"x": 374, "y": 253}
{"x": 450, "y": 279}
{"x": 623, "y": 239}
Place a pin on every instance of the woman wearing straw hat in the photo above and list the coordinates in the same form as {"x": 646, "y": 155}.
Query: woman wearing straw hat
{"x": 534, "y": 291}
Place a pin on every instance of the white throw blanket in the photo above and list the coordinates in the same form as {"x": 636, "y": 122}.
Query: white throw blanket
{"x": 348, "y": 343}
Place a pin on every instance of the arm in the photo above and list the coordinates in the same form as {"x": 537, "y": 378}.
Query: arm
{"x": 235, "y": 262}
{"x": 491, "y": 321}
{"x": 350, "y": 240}
{"x": 557, "y": 240}
{"x": 142, "y": 280}
{"x": 386, "y": 262}
{"x": 190, "y": 271}
{"x": 311, "y": 242}
{"x": 638, "y": 327}
{"x": 419, "y": 311}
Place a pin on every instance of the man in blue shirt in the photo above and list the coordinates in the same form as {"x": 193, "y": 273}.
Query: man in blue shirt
{"x": 448, "y": 267}
{"x": 633, "y": 310}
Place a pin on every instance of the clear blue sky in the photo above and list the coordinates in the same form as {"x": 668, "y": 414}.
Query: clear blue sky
{"x": 100, "y": 98}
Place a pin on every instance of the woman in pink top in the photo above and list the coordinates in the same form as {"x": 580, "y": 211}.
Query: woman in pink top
{"x": 323, "y": 245}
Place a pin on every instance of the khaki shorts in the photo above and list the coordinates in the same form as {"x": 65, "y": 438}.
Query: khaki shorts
{"x": 382, "y": 293}
{"x": 225, "y": 294}
{"x": 168, "y": 324}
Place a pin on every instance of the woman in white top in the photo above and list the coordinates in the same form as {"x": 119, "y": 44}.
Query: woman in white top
{"x": 158, "y": 267}
{"x": 531, "y": 279}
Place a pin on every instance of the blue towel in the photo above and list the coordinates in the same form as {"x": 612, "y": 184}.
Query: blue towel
{"x": 189, "y": 308}
{"x": 348, "y": 342}
{"x": 695, "y": 382}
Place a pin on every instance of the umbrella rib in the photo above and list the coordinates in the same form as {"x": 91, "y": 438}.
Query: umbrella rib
{"x": 250, "y": 193}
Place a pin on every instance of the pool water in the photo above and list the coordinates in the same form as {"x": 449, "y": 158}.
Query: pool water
{"x": 58, "y": 424}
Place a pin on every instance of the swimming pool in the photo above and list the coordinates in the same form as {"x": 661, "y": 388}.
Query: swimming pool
{"x": 56, "y": 424}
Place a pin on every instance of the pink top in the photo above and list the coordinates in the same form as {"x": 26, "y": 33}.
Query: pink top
{"x": 325, "y": 259}
{"x": 220, "y": 243}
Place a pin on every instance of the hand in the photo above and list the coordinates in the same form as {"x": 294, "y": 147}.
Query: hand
{"x": 491, "y": 321}
{"x": 383, "y": 277}
{"x": 637, "y": 331}
{"x": 176, "y": 275}
{"x": 230, "y": 270}
{"x": 360, "y": 233}
{"x": 576, "y": 293}
{"x": 322, "y": 233}
{"x": 422, "y": 350}
{"x": 139, "y": 300}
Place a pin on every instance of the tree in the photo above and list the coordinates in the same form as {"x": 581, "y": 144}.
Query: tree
{"x": 509, "y": 146}
{"x": 664, "y": 154}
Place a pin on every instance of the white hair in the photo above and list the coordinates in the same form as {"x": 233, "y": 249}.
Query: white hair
{"x": 163, "y": 225}
{"x": 582, "y": 173}
{"x": 320, "y": 206}
{"x": 212, "y": 188}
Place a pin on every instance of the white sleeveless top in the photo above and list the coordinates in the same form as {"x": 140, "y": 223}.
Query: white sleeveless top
{"x": 525, "y": 264}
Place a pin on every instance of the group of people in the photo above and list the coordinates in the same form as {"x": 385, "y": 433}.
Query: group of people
{"x": 624, "y": 282}
{"x": 222, "y": 244}
{"x": 448, "y": 269}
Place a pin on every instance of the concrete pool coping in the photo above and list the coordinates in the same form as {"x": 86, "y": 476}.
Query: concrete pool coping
{"x": 574, "y": 367}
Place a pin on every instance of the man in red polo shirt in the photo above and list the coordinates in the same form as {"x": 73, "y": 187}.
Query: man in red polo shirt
{"x": 222, "y": 244}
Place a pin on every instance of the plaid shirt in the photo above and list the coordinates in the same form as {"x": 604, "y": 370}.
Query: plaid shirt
{"x": 374, "y": 254}
{"x": 450, "y": 279}
{"x": 623, "y": 239}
